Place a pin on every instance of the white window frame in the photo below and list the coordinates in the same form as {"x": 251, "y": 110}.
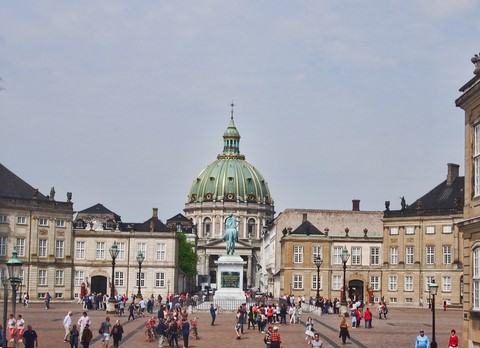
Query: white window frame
{"x": 59, "y": 249}
{"x": 447, "y": 254}
{"x": 298, "y": 281}
{"x": 446, "y": 284}
{"x": 476, "y": 278}
{"x": 3, "y": 219}
{"x": 160, "y": 279}
{"x": 447, "y": 229}
{"x": 42, "y": 248}
{"x": 392, "y": 283}
{"x": 356, "y": 255}
{"x": 314, "y": 282}
{"x": 100, "y": 251}
{"x": 375, "y": 282}
{"x": 408, "y": 282}
{"x": 336, "y": 282}
{"x": 43, "y": 222}
{"x": 119, "y": 278}
{"x": 430, "y": 230}
{"x": 430, "y": 255}
{"x": 59, "y": 277}
{"x": 337, "y": 255}
{"x": 428, "y": 280}
{"x": 60, "y": 223}
{"x": 317, "y": 251}
{"x": 161, "y": 252}
{"x": 21, "y": 246}
{"x": 3, "y": 246}
{"x": 21, "y": 220}
{"x": 121, "y": 251}
{"x": 409, "y": 255}
{"x": 42, "y": 277}
{"x": 142, "y": 248}
{"x": 476, "y": 160}
{"x": 410, "y": 230}
{"x": 80, "y": 249}
{"x": 142, "y": 279}
{"x": 393, "y": 230}
{"x": 79, "y": 277}
{"x": 298, "y": 254}
{"x": 394, "y": 255}
{"x": 374, "y": 256}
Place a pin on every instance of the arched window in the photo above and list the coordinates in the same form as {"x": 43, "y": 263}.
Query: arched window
{"x": 251, "y": 228}
{"x": 207, "y": 227}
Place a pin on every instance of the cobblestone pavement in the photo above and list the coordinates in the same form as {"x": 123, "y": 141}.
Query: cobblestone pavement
{"x": 399, "y": 330}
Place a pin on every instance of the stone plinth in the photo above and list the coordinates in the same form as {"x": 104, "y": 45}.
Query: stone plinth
{"x": 230, "y": 278}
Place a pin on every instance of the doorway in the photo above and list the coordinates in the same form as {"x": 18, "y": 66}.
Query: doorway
{"x": 355, "y": 290}
{"x": 99, "y": 284}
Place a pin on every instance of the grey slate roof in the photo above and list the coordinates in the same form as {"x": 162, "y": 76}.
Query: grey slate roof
{"x": 12, "y": 186}
{"x": 307, "y": 228}
{"x": 99, "y": 209}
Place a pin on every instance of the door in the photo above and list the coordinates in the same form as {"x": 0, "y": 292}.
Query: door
{"x": 99, "y": 284}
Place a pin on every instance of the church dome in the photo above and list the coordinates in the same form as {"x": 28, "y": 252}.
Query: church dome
{"x": 230, "y": 177}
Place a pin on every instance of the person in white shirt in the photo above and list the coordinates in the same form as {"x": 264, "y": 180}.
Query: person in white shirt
{"x": 20, "y": 328}
{"x": 12, "y": 327}
{"x": 82, "y": 322}
{"x": 67, "y": 324}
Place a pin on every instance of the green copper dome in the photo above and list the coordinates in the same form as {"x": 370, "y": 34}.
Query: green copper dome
{"x": 230, "y": 177}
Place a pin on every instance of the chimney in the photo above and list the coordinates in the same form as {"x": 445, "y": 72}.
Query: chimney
{"x": 155, "y": 213}
{"x": 304, "y": 217}
{"x": 355, "y": 205}
{"x": 453, "y": 170}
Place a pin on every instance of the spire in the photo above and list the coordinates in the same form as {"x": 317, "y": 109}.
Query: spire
{"x": 231, "y": 140}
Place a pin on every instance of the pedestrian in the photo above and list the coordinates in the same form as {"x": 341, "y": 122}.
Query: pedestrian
{"x": 83, "y": 322}
{"x": 380, "y": 310}
{"x": 266, "y": 338}
{"x": 420, "y": 302}
{"x": 185, "y": 331}
{"x": 275, "y": 339}
{"x": 316, "y": 343}
{"x": 172, "y": 332}
{"x": 238, "y": 329}
{"x": 344, "y": 330}
{"x": 162, "y": 332}
{"x": 358, "y": 314}
{"x": 117, "y": 332}
{"x": 422, "y": 341}
{"x": 309, "y": 330}
{"x": 385, "y": 311}
{"x": 368, "y": 318}
{"x": 20, "y": 328}
{"x": 453, "y": 340}
{"x": 12, "y": 327}
{"x": 67, "y": 324}
{"x": 213, "y": 313}
{"x": 86, "y": 336}
{"x": 444, "y": 305}
{"x": 131, "y": 311}
{"x": 47, "y": 300}
{"x": 353, "y": 315}
{"x": 1, "y": 334}
{"x": 74, "y": 335}
{"x": 30, "y": 338}
{"x": 105, "y": 330}
{"x": 26, "y": 298}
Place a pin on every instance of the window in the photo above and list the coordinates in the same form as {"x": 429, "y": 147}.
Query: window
{"x": 314, "y": 282}
{"x": 119, "y": 279}
{"x": 429, "y": 280}
{"x": 59, "y": 247}
{"x": 42, "y": 248}
{"x": 375, "y": 283}
{"x": 446, "y": 284}
{"x": 392, "y": 283}
{"x": 142, "y": 248}
{"x": 109, "y": 225}
{"x": 447, "y": 229}
{"x": 356, "y": 255}
{"x": 142, "y": 279}
{"x": 3, "y": 246}
{"x": 408, "y": 283}
{"x": 21, "y": 220}
{"x": 430, "y": 255}
{"x": 394, "y": 255}
{"x": 58, "y": 278}
{"x": 430, "y": 229}
{"x": 408, "y": 300}
{"x": 476, "y": 278}
{"x": 410, "y": 230}
{"x": 58, "y": 295}
{"x": 79, "y": 224}
{"x": 447, "y": 254}
{"x": 374, "y": 256}
{"x": 476, "y": 161}
{"x": 3, "y": 219}
{"x": 60, "y": 223}
{"x": 78, "y": 278}
{"x": 121, "y": 251}
{"x": 160, "y": 253}
{"x": 393, "y": 300}
{"x": 409, "y": 255}
{"x": 42, "y": 277}
{"x": 317, "y": 251}
{"x": 100, "y": 251}
{"x": 159, "y": 280}
{"x": 43, "y": 222}
{"x": 298, "y": 254}
{"x": 336, "y": 282}
{"x": 21, "y": 246}
{"x": 393, "y": 230}
{"x": 80, "y": 250}
{"x": 337, "y": 255}
{"x": 207, "y": 225}
{"x": 251, "y": 227}
{"x": 298, "y": 281}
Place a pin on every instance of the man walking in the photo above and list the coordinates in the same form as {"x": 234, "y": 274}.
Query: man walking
{"x": 30, "y": 338}
{"x": 67, "y": 324}
{"x": 213, "y": 313}
{"x": 422, "y": 341}
{"x": 82, "y": 322}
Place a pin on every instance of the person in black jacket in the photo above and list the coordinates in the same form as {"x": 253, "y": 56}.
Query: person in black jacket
{"x": 117, "y": 332}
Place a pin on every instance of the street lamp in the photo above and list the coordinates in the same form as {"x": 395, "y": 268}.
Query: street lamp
{"x": 14, "y": 266}
{"x": 433, "y": 291}
{"x": 318, "y": 262}
{"x": 345, "y": 256}
{"x": 140, "y": 259}
{"x": 112, "y": 300}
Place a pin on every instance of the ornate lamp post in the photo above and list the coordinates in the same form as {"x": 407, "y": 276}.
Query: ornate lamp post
{"x": 140, "y": 259}
{"x": 318, "y": 262}
{"x": 14, "y": 266}
{"x": 345, "y": 256}
{"x": 112, "y": 301}
{"x": 5, "y": 308}
{"x": 433, "y": 287}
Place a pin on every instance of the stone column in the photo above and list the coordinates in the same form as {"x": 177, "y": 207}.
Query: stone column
{"x": 249, "y": 270}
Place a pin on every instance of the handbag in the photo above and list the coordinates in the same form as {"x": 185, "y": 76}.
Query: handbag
{"x": 309, "y": 333}
{"x": 100, "y": 331}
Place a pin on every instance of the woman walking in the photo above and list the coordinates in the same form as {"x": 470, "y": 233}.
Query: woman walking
{"x": 344, "y": 330}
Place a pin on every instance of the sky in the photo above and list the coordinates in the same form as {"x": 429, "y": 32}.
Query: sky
{"x": 123, "y": 102}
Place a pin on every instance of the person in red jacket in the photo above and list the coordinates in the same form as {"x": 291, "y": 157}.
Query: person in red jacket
{"x": 453, "y": 342}
{"x": 368, "y": 318}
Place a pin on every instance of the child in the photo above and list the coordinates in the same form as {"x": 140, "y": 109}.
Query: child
{"x": 309, "y": 330}
{"x": 238, "y": 329}
{"x": 354, "y": 319}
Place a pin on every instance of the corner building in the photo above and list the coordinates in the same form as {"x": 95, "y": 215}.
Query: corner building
{"x": 229, "y": 185}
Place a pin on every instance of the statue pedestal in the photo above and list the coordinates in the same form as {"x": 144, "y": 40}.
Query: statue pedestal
{"x": 229, "y": 293}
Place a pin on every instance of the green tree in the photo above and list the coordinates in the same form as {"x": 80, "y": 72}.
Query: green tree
{"x": 186, "y": 256}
